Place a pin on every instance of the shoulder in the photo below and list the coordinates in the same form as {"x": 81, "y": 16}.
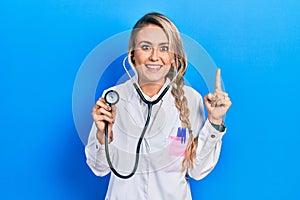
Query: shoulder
{"x": 191, "y": 94}
{"x": 124, "y": 89}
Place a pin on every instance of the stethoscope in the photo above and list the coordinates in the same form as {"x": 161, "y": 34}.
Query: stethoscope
{"x": 112, "y": 97}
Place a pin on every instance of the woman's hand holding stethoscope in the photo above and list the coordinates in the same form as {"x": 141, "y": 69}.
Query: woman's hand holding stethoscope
{"x": 102, "y": 113}
{"x": 218, "y": 103}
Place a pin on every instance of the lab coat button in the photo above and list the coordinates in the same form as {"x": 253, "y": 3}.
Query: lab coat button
{"x": 212, "y": 136}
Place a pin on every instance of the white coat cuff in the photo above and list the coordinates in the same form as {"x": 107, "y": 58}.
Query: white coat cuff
{"x": 211, "y": 133}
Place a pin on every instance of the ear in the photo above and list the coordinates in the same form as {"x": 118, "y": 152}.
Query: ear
{"x": 131, "y": 58}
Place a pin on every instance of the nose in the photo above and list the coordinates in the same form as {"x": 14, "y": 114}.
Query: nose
{"x": 154, "y": 55}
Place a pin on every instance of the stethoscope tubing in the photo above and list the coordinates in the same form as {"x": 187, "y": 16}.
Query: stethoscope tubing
{"x": 138, "y": 147}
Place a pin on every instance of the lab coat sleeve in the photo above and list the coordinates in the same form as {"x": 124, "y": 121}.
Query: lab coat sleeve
{"x": 95, "y": 154}
{"x": 208, "y": 151}
{"x": 209, "y": 141}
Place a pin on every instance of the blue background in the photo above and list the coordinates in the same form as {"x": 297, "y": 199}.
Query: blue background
{"x": 43, "y": 43}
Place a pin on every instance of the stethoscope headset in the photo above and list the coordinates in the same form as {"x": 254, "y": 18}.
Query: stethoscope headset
{"x": 112, "y": 97}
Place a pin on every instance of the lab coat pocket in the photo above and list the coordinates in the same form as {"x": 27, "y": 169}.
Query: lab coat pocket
{"x": 177, "y": 146}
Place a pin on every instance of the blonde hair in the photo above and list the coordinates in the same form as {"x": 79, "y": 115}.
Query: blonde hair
{"x": 179, "y": 64}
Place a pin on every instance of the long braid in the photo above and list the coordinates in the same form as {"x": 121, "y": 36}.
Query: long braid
{"x": 181, "y": 102}
{"x": 182, "y": 105}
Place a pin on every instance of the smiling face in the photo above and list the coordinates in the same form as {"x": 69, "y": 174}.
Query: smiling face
{"x": 152, "y": 56}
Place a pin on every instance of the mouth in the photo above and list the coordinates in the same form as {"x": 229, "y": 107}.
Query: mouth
{"x": 153, "y": 67}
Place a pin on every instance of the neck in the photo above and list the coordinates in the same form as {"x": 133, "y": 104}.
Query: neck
{"x": 151, "y": 89}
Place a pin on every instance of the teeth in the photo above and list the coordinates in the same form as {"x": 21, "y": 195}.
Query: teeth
{"x": 153, "y": 66}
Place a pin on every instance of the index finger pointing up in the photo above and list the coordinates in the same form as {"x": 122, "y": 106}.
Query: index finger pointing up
{"x": 218, "y": 79}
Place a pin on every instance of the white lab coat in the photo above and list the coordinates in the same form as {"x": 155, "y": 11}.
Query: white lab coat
{"x": 159, "y": 175}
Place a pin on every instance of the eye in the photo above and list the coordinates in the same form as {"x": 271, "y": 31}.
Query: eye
{"x": 146, "y": 47}
{"x": 164, "y": 48}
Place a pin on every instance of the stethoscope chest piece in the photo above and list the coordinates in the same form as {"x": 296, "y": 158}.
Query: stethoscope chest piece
{"x": 111, "y": 97}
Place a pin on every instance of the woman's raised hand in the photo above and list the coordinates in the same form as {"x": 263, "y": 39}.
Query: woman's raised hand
{"x": 218, "y": 103}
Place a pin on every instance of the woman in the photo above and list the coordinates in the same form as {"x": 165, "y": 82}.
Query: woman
{"x": 179, "y": 139}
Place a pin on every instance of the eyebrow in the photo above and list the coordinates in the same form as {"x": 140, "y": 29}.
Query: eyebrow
{"x": 147, "y": 42}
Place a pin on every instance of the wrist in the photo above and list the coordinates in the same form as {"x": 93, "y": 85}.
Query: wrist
{"x": 100, "y": 137}
{"x": 215, "y": 121}
{"x": 219, "y": 127}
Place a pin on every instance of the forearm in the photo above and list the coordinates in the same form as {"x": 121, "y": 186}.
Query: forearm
{"x": 95, "y": 154}
{"x": 208, "y": 151}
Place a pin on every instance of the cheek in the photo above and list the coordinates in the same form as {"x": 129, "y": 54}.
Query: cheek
{"x": 167, "y": 59}
{"x": 139, "y": 56}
